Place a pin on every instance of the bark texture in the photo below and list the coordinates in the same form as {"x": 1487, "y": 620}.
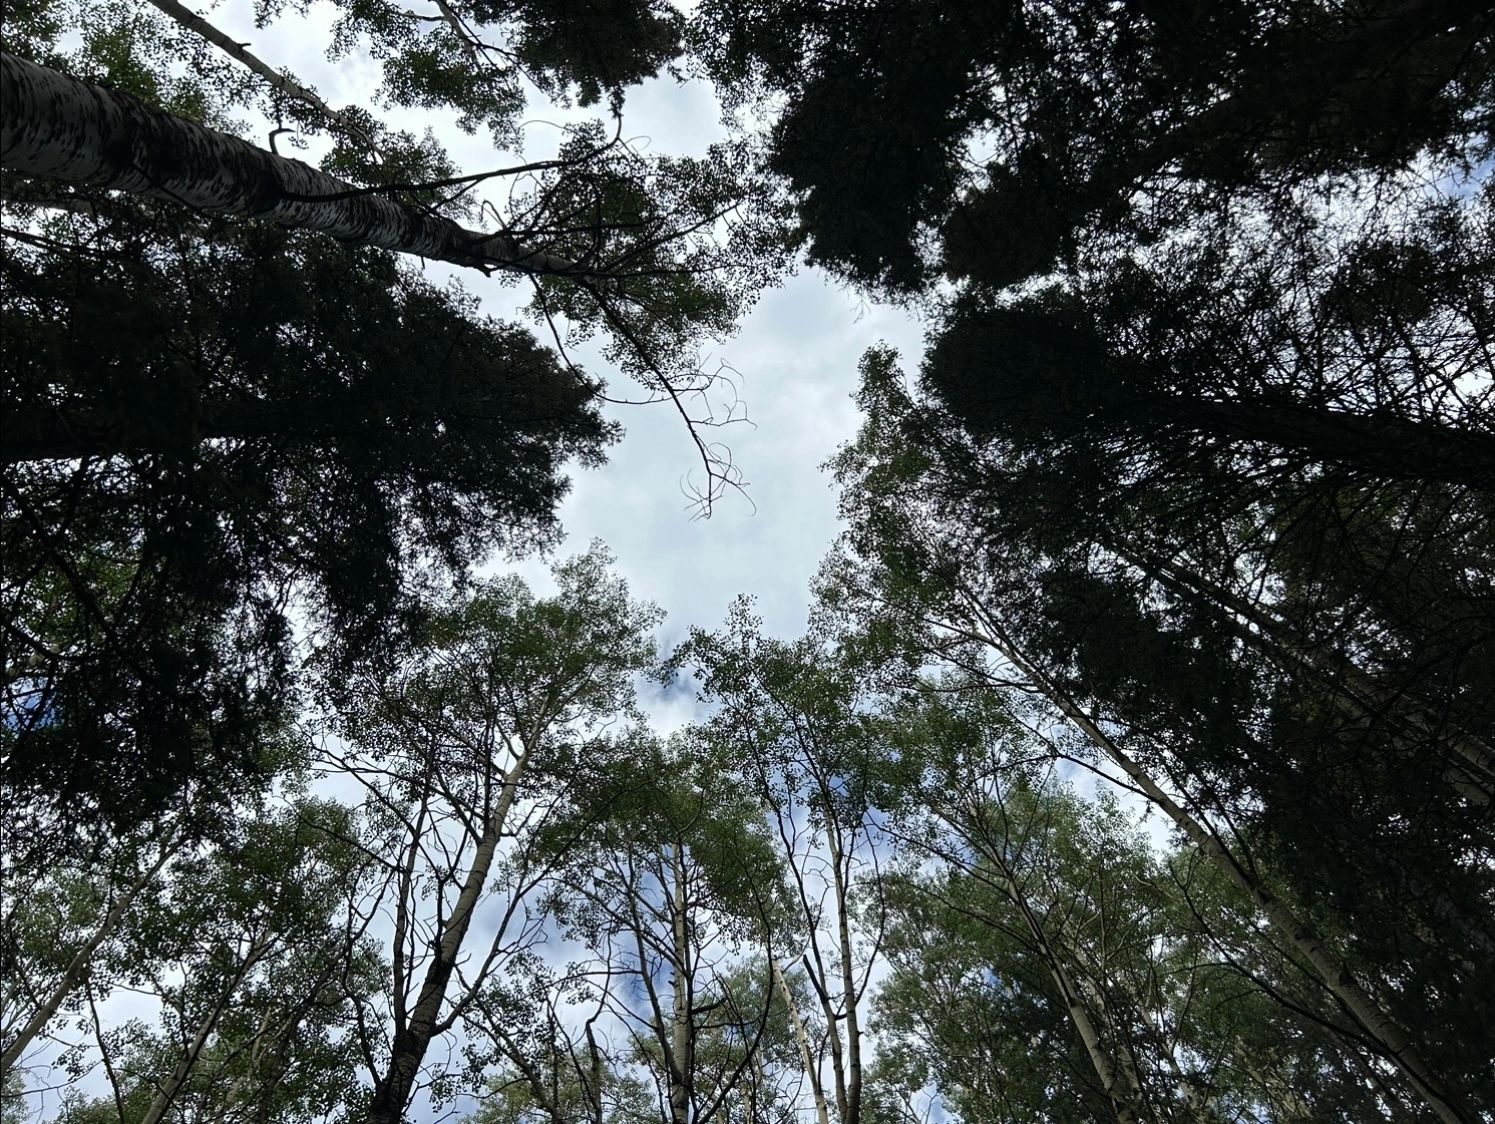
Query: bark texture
{"x": 77, "y": 132}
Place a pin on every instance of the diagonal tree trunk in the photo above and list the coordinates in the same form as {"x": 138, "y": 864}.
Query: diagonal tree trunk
{"x": 77, "y": 969}
{"x": 64, "y": 129}
{"x": 807, "y": 1059}
{"x": 1383, "y": 445}
{"x": 1391, "y": 1038}
{"x": 413, "y": 1034}
{"x": 1118, "y": 1081}
{"x": 284, "y": 83}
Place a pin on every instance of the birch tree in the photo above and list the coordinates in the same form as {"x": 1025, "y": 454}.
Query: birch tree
{"x": 1050, "y": 961}
{"x": 239, "y": 416}
{"x": 243, "y": 956}
{"x": 793, "y": 717}
{"x": 468, "y": 757}
{"x": 60, "y": 933}
{"x": 675, "y": 895}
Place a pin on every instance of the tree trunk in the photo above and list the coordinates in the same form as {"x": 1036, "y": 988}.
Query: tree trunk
{"x": 1351, "y": 690}
{"x": 1391, "y": 1039}
{"x": 1118, "y": 1083}
{"x": 53, "y": 435}
{"x": 278, "y": 81}
{"x": 682, "y": 1039}
{"x": 812, "y": 1070}
{"x": 851, "y": 1109}
{"x": 413, "y": 1038}
{"x": 77, "y": 968}
{"x": 166, "y": 1092}
{"x": 1384, "y": 445}
{"x": 64, "y": 129}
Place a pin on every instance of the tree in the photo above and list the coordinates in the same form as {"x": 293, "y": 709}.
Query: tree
{"x": 1053, "y": 964}
{"x": 676, "y": 894}
{"x": 56, "y": 934}
{"x": 792, "y": 717}
{"x": 234, "y": 431}
{"x": 935, "y": 139}
{"x": 469, "y": 755}
{"x": 1176, "y": 710}
{"x": 241, "y": 948}
{"x": 214, "y": 421}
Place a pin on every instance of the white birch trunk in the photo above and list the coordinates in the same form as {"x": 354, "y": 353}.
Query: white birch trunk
{"x": 1118, "y": 1082}
{"x": 74, "y": 131}
{"x": 682, "y": 1037}
{"x": 812, "y": 1070}
{"x": 277, "y": 81}
{"x": 851, "y": 1109}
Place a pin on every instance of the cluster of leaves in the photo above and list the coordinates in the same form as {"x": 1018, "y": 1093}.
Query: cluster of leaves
{"x": 217, "y": 428}
{"x": 536, "y": 901}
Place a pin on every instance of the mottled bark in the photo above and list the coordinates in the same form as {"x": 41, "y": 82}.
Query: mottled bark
{"x": 850, "y": 1095}
{"x": 78, "y": 132}
{"x": 682, "y": 1034}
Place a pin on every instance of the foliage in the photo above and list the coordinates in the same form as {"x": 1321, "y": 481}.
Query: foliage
{"x": 217, "y": 428}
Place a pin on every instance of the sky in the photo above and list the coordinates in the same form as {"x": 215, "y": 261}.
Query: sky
{"x": 795, "y": 356}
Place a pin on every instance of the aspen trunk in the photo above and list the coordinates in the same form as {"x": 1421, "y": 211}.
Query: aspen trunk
{"x": 1118, "y": 1082}
{"x": 77, "y": 968}
{"x": 74, "y": 131}
{"x": 851, "y": 1099}
{"x": 812, "y": 1071}
{"x": 277, "y": 81}
{"x": 682, "y": 1039}
{"x": 413, "y": 1035}
{"x": 166, "y": 1092}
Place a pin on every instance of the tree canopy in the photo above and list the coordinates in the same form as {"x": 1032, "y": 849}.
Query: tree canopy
{"x": 1136, "y": 762}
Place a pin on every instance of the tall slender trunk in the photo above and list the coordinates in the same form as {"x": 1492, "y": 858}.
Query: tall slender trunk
{"x": 851, "y": 1108}
{"x": 1191, "y": 1098}
{"x": 682, "y": 1038}
{"x": 1391, "y": 1038}
{"x": 75, "y": 434}
{"x": 413, "y": 1034}
{"x": 1352, "y": 689}
{"x": 812, "y": 1070}
{"x": 77, "y": 969}
{"x": 166, "y": 1092}
{"x": 1118, "y": 1081}
{"x": 282, "y": 83}
{"x": 78, "y": 132}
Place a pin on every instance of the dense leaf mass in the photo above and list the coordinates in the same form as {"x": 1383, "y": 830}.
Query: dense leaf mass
{"x": 195, "y": 434}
